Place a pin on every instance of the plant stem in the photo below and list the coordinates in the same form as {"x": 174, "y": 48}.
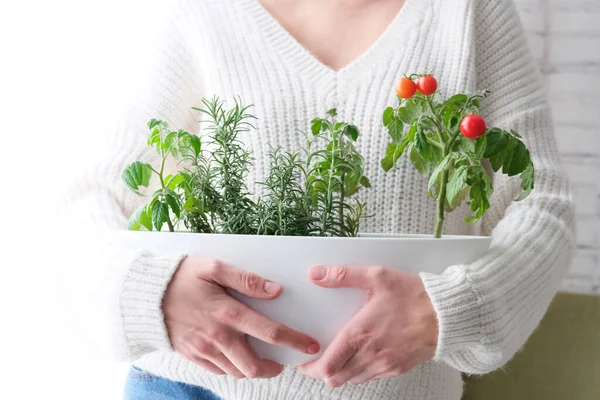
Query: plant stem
{"x": 162, "y": 184}
{"x": 441, "y": 201}
{"x": 342, "y": 199}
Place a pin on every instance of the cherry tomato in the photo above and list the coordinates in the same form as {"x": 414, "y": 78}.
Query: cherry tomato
{"x": 427, "y": 85}
{"x": 406, "y": 88}
{"x": 473, "y": 126}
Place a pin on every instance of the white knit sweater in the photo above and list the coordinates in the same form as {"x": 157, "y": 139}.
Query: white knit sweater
{"x": 486, "y": 309}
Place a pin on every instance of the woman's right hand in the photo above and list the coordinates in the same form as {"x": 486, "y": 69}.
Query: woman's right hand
{"x": 209, "y": 327}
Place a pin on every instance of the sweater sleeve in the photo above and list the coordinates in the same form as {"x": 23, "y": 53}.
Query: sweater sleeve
{"x": 487, "y": 309}
{"x": 114, "y": 291}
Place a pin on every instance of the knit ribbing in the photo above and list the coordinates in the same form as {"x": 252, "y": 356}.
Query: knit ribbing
{"x": 486, "y": 309}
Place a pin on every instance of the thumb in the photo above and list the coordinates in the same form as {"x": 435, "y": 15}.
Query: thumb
{"x": 247, "y": 283}
{"x": 339, "y": 276}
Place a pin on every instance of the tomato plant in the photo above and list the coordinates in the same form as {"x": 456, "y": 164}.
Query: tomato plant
{"x": 427, "y": 131}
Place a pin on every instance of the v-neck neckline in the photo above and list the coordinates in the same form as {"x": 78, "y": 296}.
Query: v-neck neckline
{"x": 304, "y": 60}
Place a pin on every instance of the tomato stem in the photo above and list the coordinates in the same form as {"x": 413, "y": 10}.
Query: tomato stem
{"x": 441, "y": 201}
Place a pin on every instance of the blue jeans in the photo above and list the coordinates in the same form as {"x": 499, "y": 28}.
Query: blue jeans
{"x": 142, "y": 385}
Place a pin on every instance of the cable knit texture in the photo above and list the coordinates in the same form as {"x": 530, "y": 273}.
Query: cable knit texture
{"x": 486, "y": 310}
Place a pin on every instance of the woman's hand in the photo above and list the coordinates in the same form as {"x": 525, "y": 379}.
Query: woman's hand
{"x": 394, "y": 331}
{"x": 208, "y": 327}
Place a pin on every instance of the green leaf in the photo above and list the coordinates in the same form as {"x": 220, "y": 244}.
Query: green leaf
{"x": 153, "y": 123}
{"x": 316, "y": 125}
{"x": 520, "y": 159}
{"x": 421, "y": 144}
{"x": 332, "y": 112}
{"x": 468, "y": 145}
{"x": 413, "y": 109}
{"x": 140, "y": 217}
{"x": 456, "y": 184}
{"x": 458, "y": 100}
{"x": 405, "y": 115}
{"x": 433, "y": 180}
{"x": 196, "y": 144}
{"x": 137, "y": 175}
{"x": 392, "y": 154}
{"x": 189, "y": 203}
{"x": 472, "y": 219}
{"x": 508, "y": 155}
{"x": 160, "y": 214}
{"x": 171, "y": 182}
{"x": 388, "y": 115}
{"x": 352, "y": 132}
{"x": 173, "y": 201}
{"x": 168, "y": 140}
{"x": 422, "y": 165}
{"x": 495, "y": 141}
{"x": 154, "y": 138}
{"x": 527, "y": 182}
{"x": 365, "y": 182}
{"x": 412, "y": 132}
{"x": 395, "y": 129}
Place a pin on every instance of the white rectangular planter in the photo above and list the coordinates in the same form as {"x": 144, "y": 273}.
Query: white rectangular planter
{"x": 304, "y": 306}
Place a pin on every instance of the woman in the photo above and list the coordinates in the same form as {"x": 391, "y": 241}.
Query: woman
{"x": 293, "y": 60}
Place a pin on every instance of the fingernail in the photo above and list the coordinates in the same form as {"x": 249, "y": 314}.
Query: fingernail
{"x": 318, "y": 273}
{"x": 314, "y": 348}
{"x": 272, "y": 287}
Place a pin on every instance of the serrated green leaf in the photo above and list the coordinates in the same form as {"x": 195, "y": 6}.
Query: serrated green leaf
{"x": 456, "y": 100}
{"x": 392, "y": 154}
{"x": 160, "y": 214}
{"x": 388, "y": 115}
{"x": 173, "y": 201}
{"x": 413, "y": 109}
{"x": 508, "y": 154}
{"x": 137, "y": 175}
{"x": 520, "y": 159}
{"x": 423, "y": 166}
{"x": 527, "y": 182}
{"x": 456, "y": 184}
{"x": 468, "y": 145}
{"x": 421, "y": 144}
{"x": 405, "y": 115}
{"x": 478, "y": 196}
{"x": 496, "y": 141}
{"x": 395, "y": 130}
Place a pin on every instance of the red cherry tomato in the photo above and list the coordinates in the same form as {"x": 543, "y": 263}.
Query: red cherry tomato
{"x": 406, "y": 88}
{"x": 427, "y": 85}
{"x": 473, "y": 126}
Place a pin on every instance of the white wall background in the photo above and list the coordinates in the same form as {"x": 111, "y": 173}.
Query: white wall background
{"x": 64, "y": 62}
{"x": 565, "y": 36}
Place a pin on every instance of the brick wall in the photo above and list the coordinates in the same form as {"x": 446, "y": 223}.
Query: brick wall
{"x": 565, "y": 37}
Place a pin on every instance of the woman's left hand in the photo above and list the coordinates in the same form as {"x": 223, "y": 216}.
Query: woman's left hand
{"x": 395, "y": 330}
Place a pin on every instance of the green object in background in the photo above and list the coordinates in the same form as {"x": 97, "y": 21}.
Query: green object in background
{"x": 561, "y": 360}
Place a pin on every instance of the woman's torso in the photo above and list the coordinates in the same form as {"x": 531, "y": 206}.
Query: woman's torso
{"x": 242, "y": 51}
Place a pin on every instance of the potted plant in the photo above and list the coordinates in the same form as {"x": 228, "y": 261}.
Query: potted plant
{"x": 309, "y": 213}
